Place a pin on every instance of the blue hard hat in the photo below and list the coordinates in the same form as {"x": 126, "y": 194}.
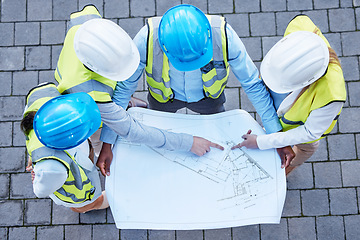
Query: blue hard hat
{"x": 185, "y": 37}
{"x": 66, "y": 121}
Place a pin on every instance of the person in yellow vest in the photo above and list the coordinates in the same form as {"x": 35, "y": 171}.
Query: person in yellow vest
{"x": 307, "y": 84}
{"x": 68, "y": 177}
{"x": 187, "y": 57}
{"x": 96, "y": 55}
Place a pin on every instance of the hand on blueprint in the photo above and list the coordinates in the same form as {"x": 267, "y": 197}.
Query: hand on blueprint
{"x": 286, "y": 155}
{"x": 104, "y": 159}
{"x": 201, "y": 146}
{"x": 249, "y": 141}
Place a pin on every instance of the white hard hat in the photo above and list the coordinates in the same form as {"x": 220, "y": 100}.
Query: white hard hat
{"x": 105, "y": 48}
{"x": 294, "y": 62}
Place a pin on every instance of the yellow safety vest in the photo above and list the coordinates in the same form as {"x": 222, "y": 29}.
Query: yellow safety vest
{"x": 77, "y": 187}
{"x": 329, "y": 88}
{"x": 214, "y": 75}
{"x": 71, "y": 74}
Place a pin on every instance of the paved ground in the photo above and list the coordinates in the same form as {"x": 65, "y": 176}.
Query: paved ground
{"x": 323, "y": 197}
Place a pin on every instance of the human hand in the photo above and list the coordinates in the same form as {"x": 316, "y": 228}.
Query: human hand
{"x": 29, "y": 165}
{"x": 201, "y": 146}
{"x": 105, "y": 159}
{"x": 32, "y": 176}
{"x": 249, "y": 141}
{"x": 286, "y": 155}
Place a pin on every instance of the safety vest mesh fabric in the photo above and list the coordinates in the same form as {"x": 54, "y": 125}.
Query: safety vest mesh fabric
{"x": 71, "y": 74}
{"x": 77, "y": 187}
{"x": 329, "y": 88}
{"x": 214, "y": 74}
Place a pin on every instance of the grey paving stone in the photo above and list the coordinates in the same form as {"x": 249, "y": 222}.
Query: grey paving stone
{"x": 14, "y": 10}
{"x": 247, "y": 6}
{"x": 321, "y": 153}
{"x": 38, "y": 57}
{"x": 240, "y": 24}
{"x": 18, "y": 136}
{"x": 39, "y": 10}
{"x": 99, "y": 4}
{"x": 7, "y": 34}
{"x": 142, "y": 8}
{"x": 268, "y": 43}
{"x": 98, "y": 216}
{"x": 11, "y": 108}
{"x": 348, "y": 121}
{"x": 345, "y": 142}
{"x": 52, "y": 32}
{"x": 331, "y": 227}
{"x": 63, "y": 8}
{"x": 55, "y": 53}
{"x": 342, "y": 20}
{"x": 315, "y": 202}
{"x": 161, "y": 235}
{"x": 352, "y": 229}
{"x": 302, "y": 228}
{"x": 50, "y": 232}
{"x": 6, "y": 134}
{"x": 358, "y": 145}
{"x": 133, "y": 234}
{"x": 116, "y": 8}
{"x": 245, "y": 103}
{"x": 354, "y": 93}
{"x": 350, "y": 67}
{"x": 346, "y": 3}
{"x": 356, "y": 3}
{"x": 27, "y": 33}
{"x": 189, "y": 234}
{"x": 3, "y": 233}
{"x": 299, "y": 5}
{"x": 327, "y": 174}
{"x": 253, "y": 47}
{"x": 12, "y": 58}
{"x": 274, "y": 231}
{"x": 47, "y": 76}
{"x": 12, "y": 159}
{"x": 5, "y": 81}
{"x": 273, "y": 5}
{"x": 109, "y": 216}
{"x": 21, "y": 186}
{"x": 35, "y": 217}
{"x": 20, "y": 233}
{"x": 77, "y": 231}
{"x": 350, "y": 173}
{"x": 232, "y": 99}
{"x": 246, "y": 232}
{"x": 320, "y": 19}
{"x": 349, "y": 45}
{"x": 226, "y": 6}
{"x": 257, "y": 26}
{"x": 357, "y": 16}
{"x": 163, "y": 6}
{"x": 292, "y": 206}
{"x": 4, "y": 186}
{"x": 343, "y": 201}
{"x": 63, "y": 215}
{"x": 301, "y": 177}
{"x": 11, "y": 212}
{"x": 335, "y": 42}
{"x": 24, "y": 81}
{"x": 105, "y": 231}
{"x": 282, "y": 21}
{"x": 201, "y": 4}
{"x": 217, "y": 234}
{"x": 322, "y": 4}
{"x": 131, "y": 25}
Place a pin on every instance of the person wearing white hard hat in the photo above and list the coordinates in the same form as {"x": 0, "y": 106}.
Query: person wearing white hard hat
{"x": 307, "y": 84}
{"x": 187, "y": 57}
{"x": 97, "y": 53}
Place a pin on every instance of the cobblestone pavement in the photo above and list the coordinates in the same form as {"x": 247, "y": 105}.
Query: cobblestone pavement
{"x": 323, "y": 197}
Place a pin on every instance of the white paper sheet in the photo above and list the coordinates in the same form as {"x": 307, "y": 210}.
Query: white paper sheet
{"x": 151, "y": 188}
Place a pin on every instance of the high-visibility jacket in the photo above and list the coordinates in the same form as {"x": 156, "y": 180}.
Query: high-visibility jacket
{"x": 329, "y": 88}
{"x": 77, "y": 187}
{"x": 71, "y": 74}
{"x": 214, "y": 75}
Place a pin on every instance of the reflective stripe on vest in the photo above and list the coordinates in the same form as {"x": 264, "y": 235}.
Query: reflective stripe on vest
{"x": 71, "y": 74}
{"x": 329, "y": 88}
{"x": 214, "y": 74}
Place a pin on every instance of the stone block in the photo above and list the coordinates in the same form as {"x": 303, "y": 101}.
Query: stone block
{"x": 77, "y": 231}
{"x": 53, "y": 32}
{"x": 299, "y": 5}
{"x": 13, "y": 11}
{"x": 163, "y": 6}
{"x": 11, "y": 108}
{"x": 24, "y": 81}
{"x": 189, "y": 234}
{"x": 273, "y": 5}
{"x": 12, "y": 159}
{"x": 3, "y": 233}
{"x": 348, "y": 121}
{"x": 63, "y": 8}
{"x": 6, "y": 134}
{"x": 253, "y": 47}
{"x": 342, "y": 20}
{"x": 11, "y": 213}
{"x": 350, "y": 67}
{"x": 22, "y": 233}
{"x": 335, "y": 42}
{"x": 63, "y": 215}
{"x": 350, "y": 173}
{"x": 321, "y": 153}
{"x": 232, "y": 99}
{"x": 55, "y": 53}
{"x": 116, "y": 8}
{"x": 35, "y": 217}
{"x": 341, "y": 146}
{"x": 240, "y": 24}
{"x": 161, "y": 235}
{"x": 282, "y": 21}
{"x": 247, "y": 6}
{"x": 131, "y": 25}
{"x": 274, "y": 231}
{"x": 142, "y": 8}
{"x": 7, "y": 34}
{"x": 134, "y": 234}
{"x": 352, "y": 229}
{"x": 27, "y": 33}
{"x": 268, "y": 43}
{"x": 358, "y": 145}
{"x": 324, "y": 4}
{"x": 357, "y": 16}
{"x": 292, "y": 206}
{"x": 201, "y": 4}
{"x": 350, "y": 46}
{"x": 50, "y": 232}
{"x": 258, "y": 26}
{"x": 12, "y": 58}
{"x": 327, "y": 174}
{"x": 226, "y": 6}
{"x": 315, "y": 202}
{"x": 301, "y": 177}
{"x": 330, "y": 227}
{"x": 354, "y": 93}
{"x": 246, "y": 232}
{"x": 302, "y": 228}
{"x": 98, "y": 216}
{"x": 105, "y": 231}
{"x": 47, "y": 76}
{"x": 218, "y": 234}
{"x": 21, "y": 186}
{"x": 5, "y": 82}
{"x": 39, "y": 10}
{"x": 343, "y": 201}
{"x": 4, "y": 186}
{"x": 38, "y": 57}
{"x": 346, "y": 3}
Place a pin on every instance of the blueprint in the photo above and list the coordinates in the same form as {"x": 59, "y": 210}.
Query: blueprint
{"x": 153, "y": 188}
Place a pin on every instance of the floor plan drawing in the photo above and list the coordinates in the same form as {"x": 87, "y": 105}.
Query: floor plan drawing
{"x": 179, "y": 190}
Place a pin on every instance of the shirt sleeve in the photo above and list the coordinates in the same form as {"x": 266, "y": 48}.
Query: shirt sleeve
{"x": 246, "y": 72}
{"x": 316, "y": 124}
{"x": 127, "y": 127}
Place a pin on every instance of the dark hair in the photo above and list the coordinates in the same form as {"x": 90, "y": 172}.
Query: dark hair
{"x": 27, "y": 122}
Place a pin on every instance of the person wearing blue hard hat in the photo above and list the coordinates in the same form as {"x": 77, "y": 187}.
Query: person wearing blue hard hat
{"x": 61, "y": 166}
{"x": 98, "y": 55}
{"x": 187, "y": 57}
